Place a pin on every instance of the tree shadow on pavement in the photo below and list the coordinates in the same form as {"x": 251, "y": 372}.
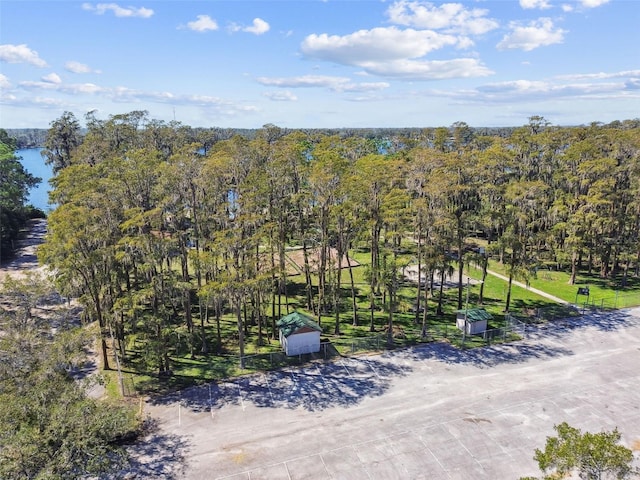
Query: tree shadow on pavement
{"x": 482, "y": 357}
{"x": 156, "y": 456}
{"x": 314, "y": 387}
{"x": 603, "y": 320}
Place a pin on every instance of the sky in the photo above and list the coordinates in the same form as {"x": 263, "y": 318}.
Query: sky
{"x": 321, "y": 63}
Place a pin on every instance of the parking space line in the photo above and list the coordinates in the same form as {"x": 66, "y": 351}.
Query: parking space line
{"x": 324, "y": 465}
{"x": 240, "y": 395}
{"x": 345, "y": 367}
{"x": 470, "y": 454}
{"x": 371, "y": 367}
{"x": 266, "y": 380}
{"x": 210, "y": 401}
{"x": 437, "y": 459}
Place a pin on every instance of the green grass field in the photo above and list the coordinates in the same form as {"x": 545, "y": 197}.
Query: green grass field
{"x": 223, "y": 361}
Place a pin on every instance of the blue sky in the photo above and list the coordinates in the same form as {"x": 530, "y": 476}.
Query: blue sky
{"x": 317, "y": 64}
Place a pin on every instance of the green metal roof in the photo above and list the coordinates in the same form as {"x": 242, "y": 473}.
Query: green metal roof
{"x": 476, "y": 314}
{"x": 295, "y": 321}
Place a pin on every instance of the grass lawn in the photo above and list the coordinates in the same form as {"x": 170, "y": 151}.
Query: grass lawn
{"x": 603, "y": 292}
{"x": 223, "y": 360}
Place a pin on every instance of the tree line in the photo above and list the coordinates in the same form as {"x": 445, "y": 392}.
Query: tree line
{"x": 161, "y": 227}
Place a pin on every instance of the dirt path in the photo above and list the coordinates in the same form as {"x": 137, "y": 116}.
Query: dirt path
{"x": 26, "y": 259}
{"x": 24, "y": 262}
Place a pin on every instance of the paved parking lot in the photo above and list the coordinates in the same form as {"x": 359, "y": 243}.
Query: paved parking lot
{"x": 429, "y": 412}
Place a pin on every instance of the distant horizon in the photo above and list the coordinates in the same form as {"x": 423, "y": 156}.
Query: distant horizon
{"x": 526, "y": 122}
{"x": 311, "y": 64}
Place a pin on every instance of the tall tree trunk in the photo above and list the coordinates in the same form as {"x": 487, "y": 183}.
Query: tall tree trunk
{"x": 440, "y": 312}
{"x": 307, "y": 276}
{"x": 417, "y": 313}
{"x": 354, "y": 304}
{"x": 604, "y": 266}
{"x": 460, "y": 262}
{"x": 204, "y": 349}
{"x": 485, "y": 265}
{"x": 336, "y": 301}
{"x": 511, "y": 272}
{"x": 102, "y": 325}
{"x": 240, "y": 329}
{"x": 425, "y": 325}
{"x": 392, "y": 294}
{"x": 273, "y": 291}
{"x": 322, "y": 269}
{"x": 218, "y": 326}
{"x": 574, "y": 267}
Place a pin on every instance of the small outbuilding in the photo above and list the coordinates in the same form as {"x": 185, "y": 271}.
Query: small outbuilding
{"x": 472, "y": 321}
{"x": 299, "y": 334}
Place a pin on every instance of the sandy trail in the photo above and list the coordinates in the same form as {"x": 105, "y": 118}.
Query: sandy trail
{"x": 26, "y": 259}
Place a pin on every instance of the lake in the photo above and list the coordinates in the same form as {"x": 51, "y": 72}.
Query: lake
{"x": 33, "y": 163}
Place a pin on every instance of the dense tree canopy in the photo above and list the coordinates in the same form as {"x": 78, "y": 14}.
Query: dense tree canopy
{"x": 49, "y": 427}
{"x": 159, "y": 226}
{"x": 593, "y": 456}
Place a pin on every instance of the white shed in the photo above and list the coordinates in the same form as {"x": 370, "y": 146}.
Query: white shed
{"x": 299, "y": 334}
{"x": 475, "y": 320}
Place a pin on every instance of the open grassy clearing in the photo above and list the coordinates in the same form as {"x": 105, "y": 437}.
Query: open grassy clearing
{"x": 603, "y": 292}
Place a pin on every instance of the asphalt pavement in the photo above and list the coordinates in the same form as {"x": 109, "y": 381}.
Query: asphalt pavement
{"x": 429, "y": 412}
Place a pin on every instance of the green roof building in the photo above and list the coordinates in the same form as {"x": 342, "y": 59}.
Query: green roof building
{"x": 299, "y": 334}
{"x": 472, "y": 320}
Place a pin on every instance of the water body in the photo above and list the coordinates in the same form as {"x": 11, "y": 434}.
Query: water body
{"x": 33, "y": 163}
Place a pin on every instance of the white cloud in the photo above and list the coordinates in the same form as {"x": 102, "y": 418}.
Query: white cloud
{"x": 338, "y": 84}
{"x": 593, "y": 3}
{"x": 71, "y": 89}
{"x": 20, "y": 54}
{"x": 77, "y": 67}
{"x": 118, "y": 11}
{"x": 303, "y": 81}
{"x": 596, "y": 86}
{"x": 31, "y": 101}
{"x": 582, "y": 5}
{"x": 535, "y": 4}
{"x": 52, "y": 78}
{"x": 376, "y": 45}
{"x": 365, "y": 87}
{"x": 396, "y": 53}
{"x": 537, "y": 33}
{"x": 128, "y": 95}
{"x": 258, "y": 27}
{"x": 451, "y": 17}
{"x": 4, "y": 81}
{"x": 601, "y": 75}
{"x": 285, "y": 96}
{"x": 429, "y": 70}
{"x": 526, "y": 89}
{"x": 203, "y": 24}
